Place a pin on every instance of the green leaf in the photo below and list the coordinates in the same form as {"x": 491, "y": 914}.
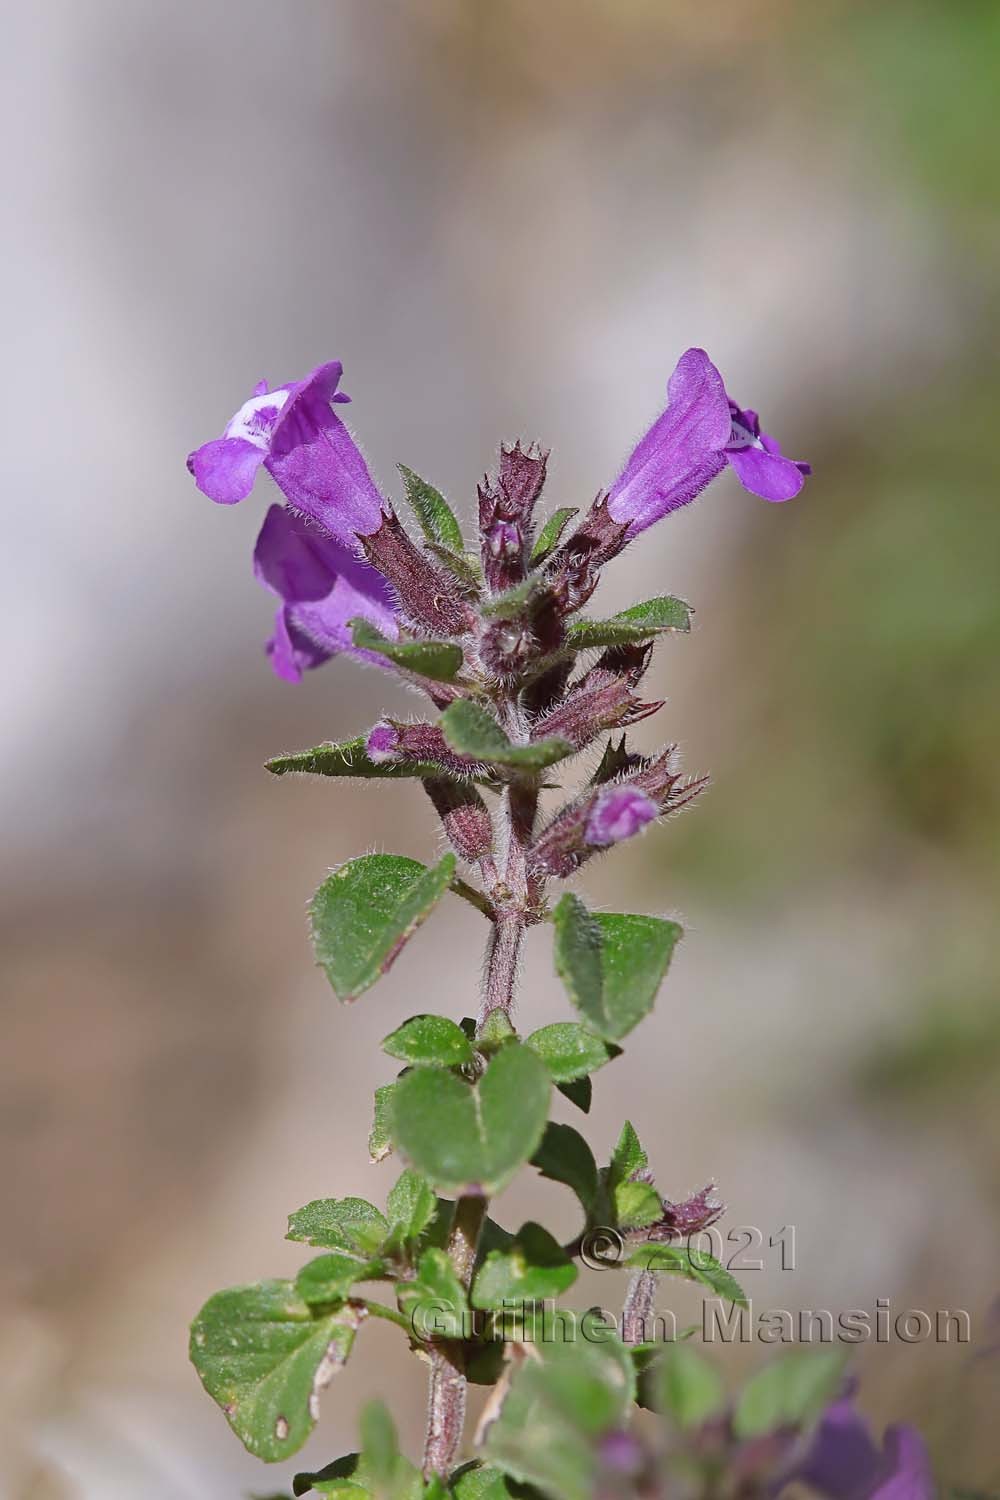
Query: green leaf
{"x": 350, "y": 1224}
{"x": 379, "y": 1137}
{"x": 557, "y": 1410}
{"x": 463, "y": 1137}
{"x": 437, "y": 520}
{"x": 365, "y": 912}
{"x": 640, "y": 623}
{"x": 265, "y": 1356}
{"x": 379, "y": 1445}
{"x": 684, "y": 1386}
{"x": 635, "y": 1205}
{"x": 614, "y": 761}
{"x": 434, "y": 1040}
{"x": 517, "y": 600}
{"x": 330, "y": 1277}
{"x": 791, "y": 1391}
{"x": 410, "y": 1207}
{"x": 628, "y": 1156}
{"x": 477, "y": 1481}
{"x": 611, "y": 965}
{"x": 346, "y": 758}
{"x": 379, "y": 1473}
{"x": 497, "y": 1030}
{"x": 692, "y": 1265}
{"x": 564, "y": 1156}
{"x": 535, "y": 1267}
{"x": 551, "y": 532}
{"x": 345, "y": 1478}
{"x": 463, "y": 566}
{"x": 439, "y": 660}
{"x": 580, "y": 1093}
{"x": 435, "y": 1300}
{"x": 569, "y": 1050}
{"x": 470, "y": 730}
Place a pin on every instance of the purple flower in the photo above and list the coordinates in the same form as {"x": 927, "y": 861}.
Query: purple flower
{"x": 844, "y": 1463}
{"x": 304, "y": 446}
{"x": 321, "y": 585}
{"x": 618, "y": 812}
{"x": 306, "y": 554}
{"x": 700, "y": 431}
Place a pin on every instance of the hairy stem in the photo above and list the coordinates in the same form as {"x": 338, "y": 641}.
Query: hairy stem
{"x": 445, "y": 1409}
{"x": 638, "y": 1306}
{"x": 509, "y": 897}
{"x": 510, "y": 902}
{"x": 447, "y": 1390}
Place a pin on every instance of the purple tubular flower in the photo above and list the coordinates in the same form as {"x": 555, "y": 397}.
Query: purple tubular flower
{"x": 700, "y": 431}
{"x": 844, "y": 1463}
{"x": 321, "y": 585}
{"x": 617, "y": 813}
{"x": 304, "y": 446}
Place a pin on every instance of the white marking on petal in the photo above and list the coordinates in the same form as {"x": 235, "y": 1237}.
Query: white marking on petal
{"x": 256, "y": 418}
{"x": 742, "y": 437}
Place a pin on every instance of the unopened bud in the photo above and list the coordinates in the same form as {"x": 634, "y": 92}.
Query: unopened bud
{"x": 690, "y": 1216}
{"x": 504, "y": 540}
{"x": 522, "y": 475}
{"x": 465, "y": 817}
{"x": 418, "y": 744}
{"x": 601, "y": 700}
{"x": 426, "y": 592}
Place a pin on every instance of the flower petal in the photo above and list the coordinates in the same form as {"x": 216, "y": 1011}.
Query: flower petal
{"x": 317, "y": 464}
{"x": 771, "y": 445}
{"x": 225, "y": 469}
{"x": 322, "y": 586}
{"x": 618, "y": 812}
{"x": 906, "y": 1467}
{"x": 680, "y": 454}
{"x": 843, "y": 1460}
{"x": 291, "y": 652}
{"x": 769, "y": 475}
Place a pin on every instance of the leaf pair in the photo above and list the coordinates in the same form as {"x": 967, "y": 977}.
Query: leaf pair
{"x": 467, "y": 1137}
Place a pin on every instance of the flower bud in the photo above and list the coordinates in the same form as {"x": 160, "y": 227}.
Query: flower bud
{"x": 591, "y": 823}
{"x": 689, "y": 1216}
{"x": 617, "y": 813}
{"x": 465, "y": 817}
{"x": 428, "y": 595}
{"x": 417, "y": 744}
{"x": 600, "y": 700}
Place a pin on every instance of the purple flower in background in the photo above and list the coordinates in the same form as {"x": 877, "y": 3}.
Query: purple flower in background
{"x": 321, "y": 585}
{"x": 844, "y": 1463}
{"x": 700, "y": 431}
{"x": 618, "y": 813}
{"x": 305, "y": 447}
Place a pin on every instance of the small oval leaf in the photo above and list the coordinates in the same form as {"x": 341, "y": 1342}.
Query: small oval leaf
{"x": 472, "y": 1138}
{"x": 364, "y": 913}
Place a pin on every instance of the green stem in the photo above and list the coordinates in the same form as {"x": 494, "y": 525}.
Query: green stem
{"x": 475, "y": 898}
{"x": 379, "y": 1310}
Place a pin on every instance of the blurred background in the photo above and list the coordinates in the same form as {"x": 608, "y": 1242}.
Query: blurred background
{"x": 507, "y": 219}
